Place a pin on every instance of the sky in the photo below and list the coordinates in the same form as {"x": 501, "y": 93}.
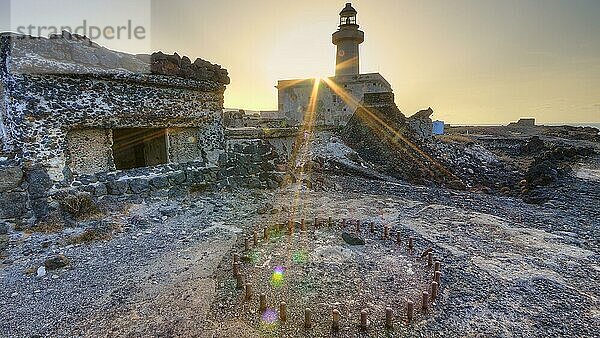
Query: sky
{"x": 472, "y": 61}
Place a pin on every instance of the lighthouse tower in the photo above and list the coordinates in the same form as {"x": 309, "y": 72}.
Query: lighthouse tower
{"x": 347, "y": 38}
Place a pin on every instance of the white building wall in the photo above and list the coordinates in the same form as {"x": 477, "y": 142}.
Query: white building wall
{"x": 331, "y": 108}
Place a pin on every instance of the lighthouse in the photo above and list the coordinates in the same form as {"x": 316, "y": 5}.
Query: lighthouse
{"x": 347, "y": 39}
{"x": 333, "y": 100}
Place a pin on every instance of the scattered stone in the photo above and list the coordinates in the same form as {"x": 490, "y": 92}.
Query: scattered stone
{"x": 352, "y": 239}
{"x": 56, "y": 262}
{"x": 41, "y": 271}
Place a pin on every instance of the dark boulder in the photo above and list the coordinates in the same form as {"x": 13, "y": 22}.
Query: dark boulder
{"x": 352, "y": 239}
{"x": 534, "y": 146}
{"x": 56, "y": 262}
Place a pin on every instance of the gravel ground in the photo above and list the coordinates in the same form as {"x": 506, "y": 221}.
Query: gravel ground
{"x": 510, "y": 269}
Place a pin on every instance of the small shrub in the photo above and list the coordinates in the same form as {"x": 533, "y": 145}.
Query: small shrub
{"x": 200, "y": 188}
{"x": 53, "y": 223}
{"x": 454, "y": 139}
{"x": 80, "y": 206}
{"x": 30, "y": 270}
{"x": 101, "y": 233}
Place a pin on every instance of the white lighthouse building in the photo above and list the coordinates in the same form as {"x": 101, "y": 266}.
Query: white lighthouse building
{"x": 347, "y": 38}
{"x": 338, "y": 96}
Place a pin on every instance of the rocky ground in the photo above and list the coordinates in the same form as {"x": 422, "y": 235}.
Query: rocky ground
{"x": 510, "y": 268}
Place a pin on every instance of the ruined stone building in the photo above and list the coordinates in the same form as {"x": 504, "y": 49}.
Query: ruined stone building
{"x": 338, "y": 96}
{"x": 75, "y": 115}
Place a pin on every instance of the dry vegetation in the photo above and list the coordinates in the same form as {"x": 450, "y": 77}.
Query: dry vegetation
{"x": 81, "y": 206}
{"x": 52, "y": 224}
{"x": 103, "y": 232}
{"x": 454, "y": 139}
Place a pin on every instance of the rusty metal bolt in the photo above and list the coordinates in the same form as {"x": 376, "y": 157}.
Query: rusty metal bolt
{"x": 307, "y": 318}
{"x": 248, "y": 291}
{"x": 429, "y": 259}
{"x": 411, "y": 243}
{"x": 410, "y": 310}
{"x": 389, "y": 318}
{"x": 425, "y": 303}
{"x": 236, "y": 269}
{"x": 364, "y": 321}
{"x": 255, "y": 238}
{"x": 434, "y": 290}
{"x": 282, "y": 311}
{"x": 438, "y": 266}
{"x": 263, "y": 302}
{"x": 398, "y": 238}
{"x": 335, "y": 326}
{"x": 437, "y": 277}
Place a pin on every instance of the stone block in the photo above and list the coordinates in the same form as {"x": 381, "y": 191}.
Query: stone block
{"x": 267, "y": 166}
{"x": 100, "y": 190}
{"x": 264, "y": 148}
{"x": 117, "y": 187}
{"x": 40, "y": 207}
{"x": 4, "y": 228}
{"x": 195, "y": 177}
{"x": 4, "y": 244}
{"x": 10, "y": 178}
{"x": 253, "y": 183}
{"x": 13, "y": 205}
{"x": 139, "y": 185}
{"x": 251, "y": 148}
{"x": 256, "y": 158}
{"x": 39, "y": 182}
{"x": 159, "y": 182}
{"x": 177, "y": 178}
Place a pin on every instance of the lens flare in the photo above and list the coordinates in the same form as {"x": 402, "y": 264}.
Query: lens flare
{"x": 277, "y": 277}
{"x": 254, "y": 256}
{"x": 300, "y": 257}
{"x": 269, "y": 317}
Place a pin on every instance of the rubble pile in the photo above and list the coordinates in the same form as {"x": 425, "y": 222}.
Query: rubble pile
{"x": 380, "y": 134}
{"x": 548, "y": 167}
{"x": 68, "y": 53}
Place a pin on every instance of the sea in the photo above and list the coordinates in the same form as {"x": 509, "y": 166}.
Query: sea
{"x": 583, "y": 124}
{"x": 593, "y": 125}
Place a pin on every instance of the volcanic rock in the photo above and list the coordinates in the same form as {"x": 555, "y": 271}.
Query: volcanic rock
{"x": 56, "y": 262}
{"x": 352, "y": 239}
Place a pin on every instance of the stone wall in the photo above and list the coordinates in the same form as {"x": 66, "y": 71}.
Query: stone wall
{"x": 247, "y": 163}
{"x": 61, "y": 98}
{"x": 89, "y": 151}
{"x": 13, "y": 192}
{"x": 251, "y": 163}
{"x": 336, "y": 100}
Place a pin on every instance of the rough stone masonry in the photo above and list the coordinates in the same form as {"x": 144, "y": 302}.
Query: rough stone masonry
{"x": 75, "y": 116}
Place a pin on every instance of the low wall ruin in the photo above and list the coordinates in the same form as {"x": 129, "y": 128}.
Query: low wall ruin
{"x": 141, "y": 126}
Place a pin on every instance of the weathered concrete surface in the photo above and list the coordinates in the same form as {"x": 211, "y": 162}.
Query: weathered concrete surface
{"x": 174, "y": 295}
